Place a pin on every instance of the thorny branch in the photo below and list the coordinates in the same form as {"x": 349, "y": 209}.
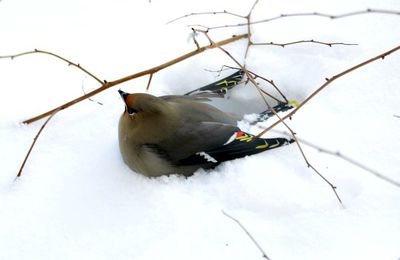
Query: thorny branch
{"x": 251, "y": 76}
{"x": 204, "y": 13}
{"x": 106, "y": 85}
{"x": 84, "y": 92}
{"x": 330, "y": 44}
{"x": 271, "y": 82}
{"x": 149, "y": 82}
{"x": 351, "y": 161}
{"x": 248, "y": 18}
{"x": 329, "y": 81}
{"x": 333, "y": 187}
{"x": 34, "y": 141}
{"x": 249, "y": 23}
{"x": 70, "y": 63}
{"x": 248, "y": 234}
{"x": 266, "y": 20}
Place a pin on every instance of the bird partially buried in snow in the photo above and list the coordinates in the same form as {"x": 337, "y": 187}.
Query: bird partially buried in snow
{"x": 180, "y": 134}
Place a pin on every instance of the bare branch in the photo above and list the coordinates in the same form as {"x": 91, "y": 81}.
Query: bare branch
{"x": 248, "y": 234}
{"x": 70, "y": 63}
{"x": 329, "y": 81}
{"x": 309, "y": 165}
{"x": 272, "y": 84}
{"x": 194, "y": 38}
{"x": 352, "y": 161}
{"x": 84, "y": 92}
{"x": 34, "y": 141}
{"x": 205, "y": 13}
{"x": 252, "y": 8}
{"x": 107, "y": 85}
{"x": 317, "y": 14}
{"x": 278, "y": 116}
{"x": 149, "y": 82}
{"x": 330, "y": 44}
{"x": 223, "y": 68}
{"x": 269, "y": 95}
{"x": 248, "y": 19}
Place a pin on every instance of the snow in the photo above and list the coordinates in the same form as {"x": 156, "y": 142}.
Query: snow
{"x": 77, "y": 199}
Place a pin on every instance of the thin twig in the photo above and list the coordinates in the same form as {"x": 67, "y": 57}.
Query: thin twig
{"x": 329, "y": 81}
{"x": 343, "y": 157}
{"x": 317, "y": 14}
{"x": 149, "y": 82}
{"x": 272, "y": 83}
{"x": 333, "y": 187}
{"x": 269, "y": 95}
{"x": 248, "y": 234}
{"x": 309, "y": 165}
{"x": 330, "y": 44}
{"x": 34, "y": 141}
{"x": 205, "y": 13}
{"x": 252, "y": 7}
{"x": 194, "y": 34}
{"x": 352, "y": 161}
{"x": 106, "y": 85}
{"x": 223, "y": 68}
{"x": 90, "y": 99}
{"x": 248, "y": 19}
{"x": 70, "y": 63}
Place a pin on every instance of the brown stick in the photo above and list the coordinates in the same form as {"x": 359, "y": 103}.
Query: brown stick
{"x": 34, "y": 141}
{"x": 153, "y": 70}
{"x": 329, "y": 81}
{"x": 77, "y": 65}
{"x": 248, "y": 234}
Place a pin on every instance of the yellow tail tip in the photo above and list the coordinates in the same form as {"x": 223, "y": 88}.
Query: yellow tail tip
{"x": 294, "y": 103}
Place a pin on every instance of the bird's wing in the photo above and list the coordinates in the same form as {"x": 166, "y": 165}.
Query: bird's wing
{"x": 212, "y": 143}
{"x": 239, "y": 145}
{"x": 219, "y": 87}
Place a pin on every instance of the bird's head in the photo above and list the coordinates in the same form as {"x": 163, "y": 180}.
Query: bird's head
{"x": 139, "y": 103}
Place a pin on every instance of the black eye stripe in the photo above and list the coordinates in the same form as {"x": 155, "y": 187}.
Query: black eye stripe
{"x": 132, "y": 110}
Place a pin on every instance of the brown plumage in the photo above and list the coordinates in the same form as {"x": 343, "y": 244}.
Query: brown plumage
{"x": 180, "y": 134}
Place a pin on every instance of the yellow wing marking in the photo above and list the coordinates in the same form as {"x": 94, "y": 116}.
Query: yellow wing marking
{"x": 226, "y": 83}
{"x": 246, "y": 138}
{"x": 275, "y": 145}
{"x": 263, "y": 146}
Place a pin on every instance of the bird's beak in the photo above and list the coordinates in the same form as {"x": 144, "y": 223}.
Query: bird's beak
{"x": 123, "y": 94}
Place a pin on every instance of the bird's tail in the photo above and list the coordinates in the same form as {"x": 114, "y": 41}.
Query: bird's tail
{"x": 282, "y": 107}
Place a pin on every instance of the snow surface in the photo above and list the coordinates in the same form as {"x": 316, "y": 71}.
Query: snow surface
{"x": 77, "y": 199}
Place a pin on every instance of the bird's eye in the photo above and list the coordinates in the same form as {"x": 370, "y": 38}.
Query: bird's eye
{"x": 132, "y": 111}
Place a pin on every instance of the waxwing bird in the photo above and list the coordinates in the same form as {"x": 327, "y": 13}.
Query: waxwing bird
{"x": 180, "y": 134}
